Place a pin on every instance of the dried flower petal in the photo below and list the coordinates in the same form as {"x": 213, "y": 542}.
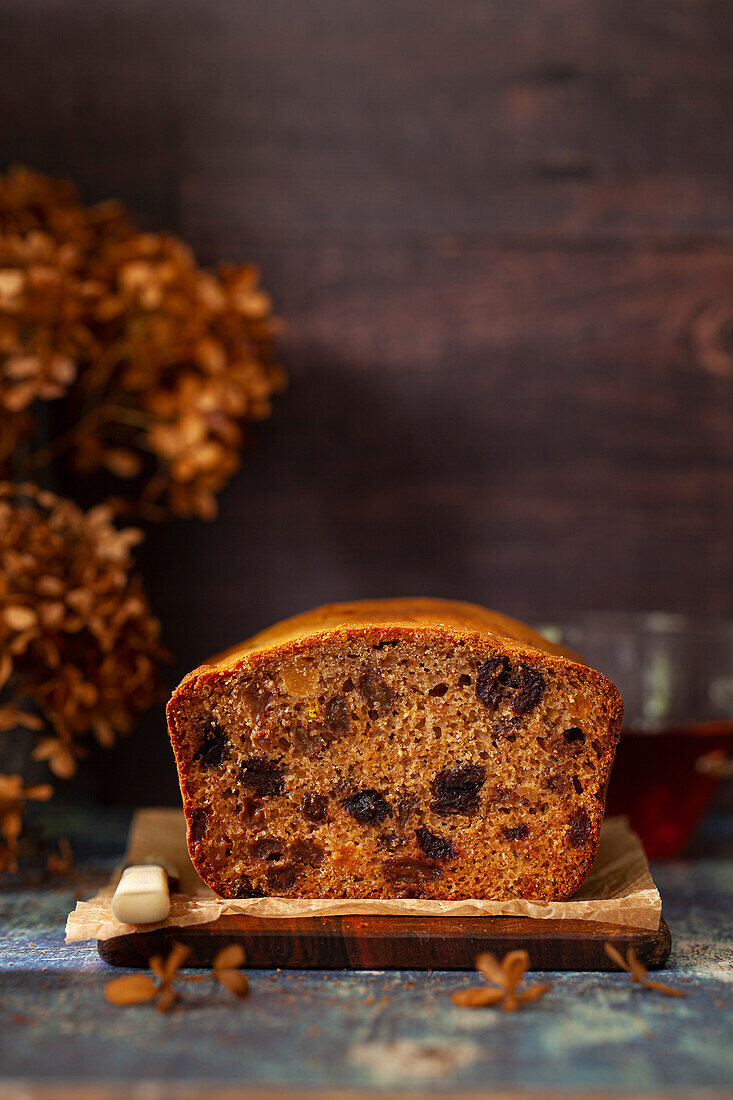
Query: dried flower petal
{"x": 131, "y": 989}
{"x": 532, "y": 994}
{"x": 477, "y": 997}
{"x": 488, "y": 965}
{"x": 662, "y": 988}
{"x": 19, "y": 618}
{"x": 506, "y": 977}
{"x": 514, "y": 965}
{"x": 41, "y": 792}
{"x": 61, "y": 863}
{"x": 235, "y": 981}
{"x": 166, "y": 999}
{"x": 230, "y": 957}
{"x": 157, "y": 966}
{"x": 176, "y": 959}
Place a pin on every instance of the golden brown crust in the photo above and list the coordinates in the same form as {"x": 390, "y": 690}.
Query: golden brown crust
{"x": 416, "y": 623}
{"x": 401, "y": 611}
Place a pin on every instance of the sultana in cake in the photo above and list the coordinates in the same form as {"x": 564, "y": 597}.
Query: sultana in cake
{"x": 396, "y": 748}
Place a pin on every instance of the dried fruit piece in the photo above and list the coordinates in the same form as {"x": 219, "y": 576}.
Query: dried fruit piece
{"x": 199, "y": 824}
{"x": 411, "y": 870}
{"x": 267, "y": 847}
{"x": 307, "y": 851}
{"x": 337, "y": 716}
{"x": 367, "y": 807}
{"x": 403, "y": 809}
{"x": 268, "y": 739}
{"x": 214, "y": 748}
{"x": 257, "y": 699}
{"x": 456, "y": 789}
{"x": 434, "y": 846}
{"x": 557, "y": 783}
{"x": 283, "y": 877}
{"x": 516, "y": 832}
{"x": 310, "y": 744}
{"x": 314, "y": 807}
{"x": 489, "y": 685}
{"x": 530, "y": 692}
{"x": 252, "y": 812}
{"x": 392, "y": 842}
{"x": 505, "y": 796}
{"x": 438, "y": 691}
{"x": 376, "y": 691}
{"x": 262, "y": 776}
{"x": 498, "y": 681}
{"x": 246, "y": 888}
{"x": 580, "y": 828}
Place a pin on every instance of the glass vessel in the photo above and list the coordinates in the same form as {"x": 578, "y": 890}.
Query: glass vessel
{"x": 676, "y": 678}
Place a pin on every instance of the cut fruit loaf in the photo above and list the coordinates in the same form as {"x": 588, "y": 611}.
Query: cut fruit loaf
{"x": 395, "y": 748}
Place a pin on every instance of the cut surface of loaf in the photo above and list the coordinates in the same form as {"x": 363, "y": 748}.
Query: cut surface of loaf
{"x": 396, "y": 748}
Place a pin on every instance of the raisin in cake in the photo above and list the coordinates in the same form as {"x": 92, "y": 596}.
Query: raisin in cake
{"x": 395, "y": 748}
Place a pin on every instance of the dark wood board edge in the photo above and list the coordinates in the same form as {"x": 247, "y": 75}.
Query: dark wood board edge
{"x": 395, "y": 943}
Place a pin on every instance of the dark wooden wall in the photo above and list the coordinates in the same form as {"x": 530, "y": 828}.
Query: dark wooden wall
{"x": 500, "y": 234}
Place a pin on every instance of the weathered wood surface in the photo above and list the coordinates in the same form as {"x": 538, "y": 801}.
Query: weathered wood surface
{"x": 395, "y": 943}
{"x": 352, "y": 1033}
{"x": 552, "y": 115}
{"x": 501, "y": 237}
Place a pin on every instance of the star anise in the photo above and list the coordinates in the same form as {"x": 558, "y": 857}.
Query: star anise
{"x": 638, "y": 971}
{"x": 505, "y": 978}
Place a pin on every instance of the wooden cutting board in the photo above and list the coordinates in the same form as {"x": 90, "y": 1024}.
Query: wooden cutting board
{"x": 394, "y": 943}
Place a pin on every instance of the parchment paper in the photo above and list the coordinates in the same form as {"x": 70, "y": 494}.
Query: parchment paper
{"x": 619, "y": 889}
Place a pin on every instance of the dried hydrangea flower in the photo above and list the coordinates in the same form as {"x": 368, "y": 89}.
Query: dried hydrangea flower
{"x": 78, "y": 641}
{"x": 638, "y": 972}
{"x": 505, "y": 976}
{"x": 162, "y": 362}
{"x": 135, "y": 989}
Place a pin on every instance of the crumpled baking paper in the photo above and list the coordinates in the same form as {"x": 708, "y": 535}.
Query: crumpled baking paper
{"x": 619, "y": 889}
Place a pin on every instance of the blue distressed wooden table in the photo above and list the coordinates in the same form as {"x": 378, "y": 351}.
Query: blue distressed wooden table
{"x": 361, "y": 1033}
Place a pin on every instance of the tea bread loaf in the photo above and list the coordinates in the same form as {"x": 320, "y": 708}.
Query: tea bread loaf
{"x": 395, "y": 748}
